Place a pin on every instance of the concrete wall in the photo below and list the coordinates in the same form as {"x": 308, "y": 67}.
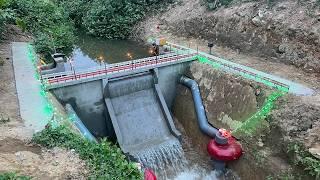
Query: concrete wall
{"x": 168, "y": 80}
{"x": 88, "y": 101}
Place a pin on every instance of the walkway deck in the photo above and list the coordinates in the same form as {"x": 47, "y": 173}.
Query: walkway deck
{"x": 57, "y": 80}
{"x": 294, "y": 88}
{"x": 33, "y": 104}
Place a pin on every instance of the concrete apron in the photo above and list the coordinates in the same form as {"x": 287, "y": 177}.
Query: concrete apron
{"x": 33, "y": 105}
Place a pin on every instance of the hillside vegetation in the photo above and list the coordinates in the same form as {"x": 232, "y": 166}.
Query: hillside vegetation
{"x": 53, "y": 22}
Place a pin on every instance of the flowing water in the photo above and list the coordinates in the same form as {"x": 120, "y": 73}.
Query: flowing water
{"x": 170, "y": 163}
{"x": 166, "y": 158}
{"x": 175, "y": 161}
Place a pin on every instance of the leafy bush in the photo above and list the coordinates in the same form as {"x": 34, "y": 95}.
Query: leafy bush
{"x": 109, "y": 18}
{"x": 105, "y": 160}
{"x": 6, "y": 15}
{"x": 306, "y": 159}
{"x": 112, "y": 19}
{"x": 75, "y": 9}
{"x": 13, "y": 176}
{"x": 58, "y": 38}
{"x": 48, "y": 22}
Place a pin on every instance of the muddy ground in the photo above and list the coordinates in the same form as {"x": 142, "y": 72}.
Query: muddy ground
{"x": 17, "y": 154}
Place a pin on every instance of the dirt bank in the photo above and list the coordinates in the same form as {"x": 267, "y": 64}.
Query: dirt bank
{"x": 16, "y": 153}
{"x": 230, "y": 100}
{"x": 286, "y": 31}
{"x": 173, "y": 26}
{"x": 282, "y": 39}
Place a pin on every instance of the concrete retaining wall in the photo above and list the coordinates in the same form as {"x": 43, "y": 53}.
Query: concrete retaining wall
{"x": 88, "y": 100}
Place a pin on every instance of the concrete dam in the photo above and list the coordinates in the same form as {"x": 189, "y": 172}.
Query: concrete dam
{"x": 133, "y": 109}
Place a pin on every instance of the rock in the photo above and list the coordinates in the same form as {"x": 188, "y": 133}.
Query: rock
{"x": 258, "y": 21}
{"x": 19, "y": 157}
{"x": 312, "y": 66}
{"x": 260, "y": 143}
{"x": 281, "y": 7}
{"x": 315, "y": 151}
{"x": 282, "y": 48}
{"x": 306, "y": 125}
{"x": 55, "y": 163}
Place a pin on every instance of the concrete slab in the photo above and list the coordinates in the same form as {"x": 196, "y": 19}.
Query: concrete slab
{"x": 34, "y": 109}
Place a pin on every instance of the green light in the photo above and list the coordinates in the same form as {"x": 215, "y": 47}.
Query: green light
{"x": 257, "y": 78}
{"x": 48, "y": 109}
{"x": 251, "y": 123}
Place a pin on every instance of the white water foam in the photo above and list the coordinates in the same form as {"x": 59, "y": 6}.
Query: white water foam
{"x": 165, "y": 159}
{"x": 195, "y": 173}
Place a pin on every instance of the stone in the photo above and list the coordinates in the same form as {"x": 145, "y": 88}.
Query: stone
{"x": 257, "y": 21}
{"x": 315, "y": 151}
{"x": 282, "y": 48}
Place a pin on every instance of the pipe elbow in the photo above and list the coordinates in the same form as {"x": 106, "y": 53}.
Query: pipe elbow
{"x": 207, "y": 129}
{"x": 204, "y": 126}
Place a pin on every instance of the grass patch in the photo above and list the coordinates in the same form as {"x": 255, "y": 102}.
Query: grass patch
{"x": 13, "y": 176}
{"x": 303, "y": 158}
{"x": 105, "y": 160}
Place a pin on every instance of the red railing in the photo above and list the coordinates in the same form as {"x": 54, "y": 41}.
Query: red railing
{"x": 114, "y": 68}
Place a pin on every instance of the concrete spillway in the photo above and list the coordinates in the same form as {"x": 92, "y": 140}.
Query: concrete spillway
{"x": 142, "y": 121}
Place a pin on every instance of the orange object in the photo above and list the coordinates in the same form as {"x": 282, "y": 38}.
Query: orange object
{"x": 225, "y": 133}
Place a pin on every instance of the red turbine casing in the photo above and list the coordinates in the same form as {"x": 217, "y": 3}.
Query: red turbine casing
{"x": 227, "y": 152}
{"x": 149, "y": 175}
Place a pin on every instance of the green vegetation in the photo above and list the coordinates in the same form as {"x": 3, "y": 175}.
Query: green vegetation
{"x": 13, "y": 176}
{"x": 112, "y": 19}
{"x": 48, "y": 23}
{"x": 108, "y": 18}
{"x": 105, "y": 160}
{"x": 6, "y": 15}
{"x": 305, "y": 159}
{"x": 52, "y": 22}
